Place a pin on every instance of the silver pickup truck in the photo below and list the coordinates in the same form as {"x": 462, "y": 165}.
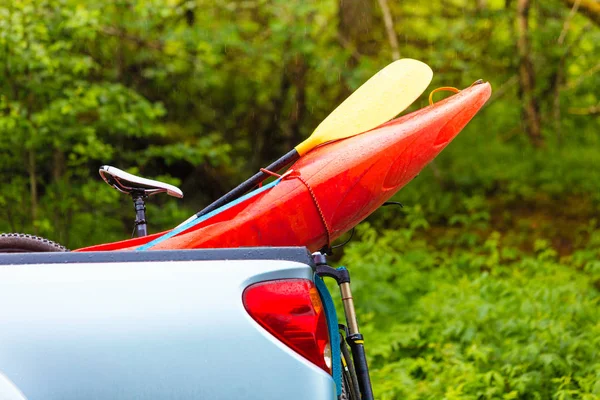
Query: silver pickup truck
{"x": 197, "y": 324}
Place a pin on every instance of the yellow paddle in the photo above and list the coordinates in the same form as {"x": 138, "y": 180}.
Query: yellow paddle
{"x": 385, "y": 95}
{"x": 381, "y": 98}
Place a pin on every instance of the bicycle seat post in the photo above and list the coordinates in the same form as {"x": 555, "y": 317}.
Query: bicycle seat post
{"x": 141, "y": 226}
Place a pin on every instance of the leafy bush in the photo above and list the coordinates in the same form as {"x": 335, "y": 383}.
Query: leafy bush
{"x": 484, "y": 321}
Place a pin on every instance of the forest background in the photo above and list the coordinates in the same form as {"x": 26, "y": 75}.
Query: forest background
{"x": 484, "y": 286}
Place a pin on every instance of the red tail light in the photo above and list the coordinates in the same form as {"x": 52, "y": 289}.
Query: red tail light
{"x": 292, "y": 311}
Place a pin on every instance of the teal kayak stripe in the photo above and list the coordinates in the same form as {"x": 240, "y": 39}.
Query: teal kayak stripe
{"x": 334, "y": 334}
{"x": 196, "y": 221}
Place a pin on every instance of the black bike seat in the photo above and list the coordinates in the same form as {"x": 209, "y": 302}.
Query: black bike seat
{"x": 129, "y": 183}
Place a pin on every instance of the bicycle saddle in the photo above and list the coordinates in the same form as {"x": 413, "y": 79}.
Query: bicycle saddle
{"x": 128, "y": 183}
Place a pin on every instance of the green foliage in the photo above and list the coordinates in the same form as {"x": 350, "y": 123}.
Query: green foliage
{"x": 477, "y": 322}
{"x": 57, "y": 116}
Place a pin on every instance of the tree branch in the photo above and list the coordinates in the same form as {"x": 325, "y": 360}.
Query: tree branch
{"x": 582, "y": 77}
{"x": 565, "y": 29}
{"x": 502, "y": 89}
{"x": 592, "y": 110}
{"x": 589, "y": 8}
{"x": 527, "y": 75}
{"x": 120, "y": 33}
{"x": 389, "y": 27}
{"x": 348, "y": 46}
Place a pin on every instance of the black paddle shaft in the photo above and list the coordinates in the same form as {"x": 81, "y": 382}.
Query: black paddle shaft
{"x": 244, "y": 187}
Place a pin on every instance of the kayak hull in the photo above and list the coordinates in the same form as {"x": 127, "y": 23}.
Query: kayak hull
{"x": 334, "y": 187}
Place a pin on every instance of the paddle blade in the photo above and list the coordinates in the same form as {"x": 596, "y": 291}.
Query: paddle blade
{"x": 381, "y": 98}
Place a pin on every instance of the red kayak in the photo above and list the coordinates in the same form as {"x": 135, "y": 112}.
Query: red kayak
{"x": 329, "y": 190}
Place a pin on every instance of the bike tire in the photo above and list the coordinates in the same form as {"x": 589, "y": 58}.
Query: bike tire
{"x": 350, "y": 389}
{"x": 25, "y": 243}
{"x": 345, "y": 386}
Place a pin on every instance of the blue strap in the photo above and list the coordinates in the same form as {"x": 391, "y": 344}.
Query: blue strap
{"x": 196, "y": 221}
{"x": 334, "y": 335}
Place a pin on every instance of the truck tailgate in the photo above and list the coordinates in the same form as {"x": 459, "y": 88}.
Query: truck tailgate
{"x": 96, "y": 327}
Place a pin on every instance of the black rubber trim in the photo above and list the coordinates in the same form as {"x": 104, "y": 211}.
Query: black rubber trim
{"x": 297, "y": 254}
